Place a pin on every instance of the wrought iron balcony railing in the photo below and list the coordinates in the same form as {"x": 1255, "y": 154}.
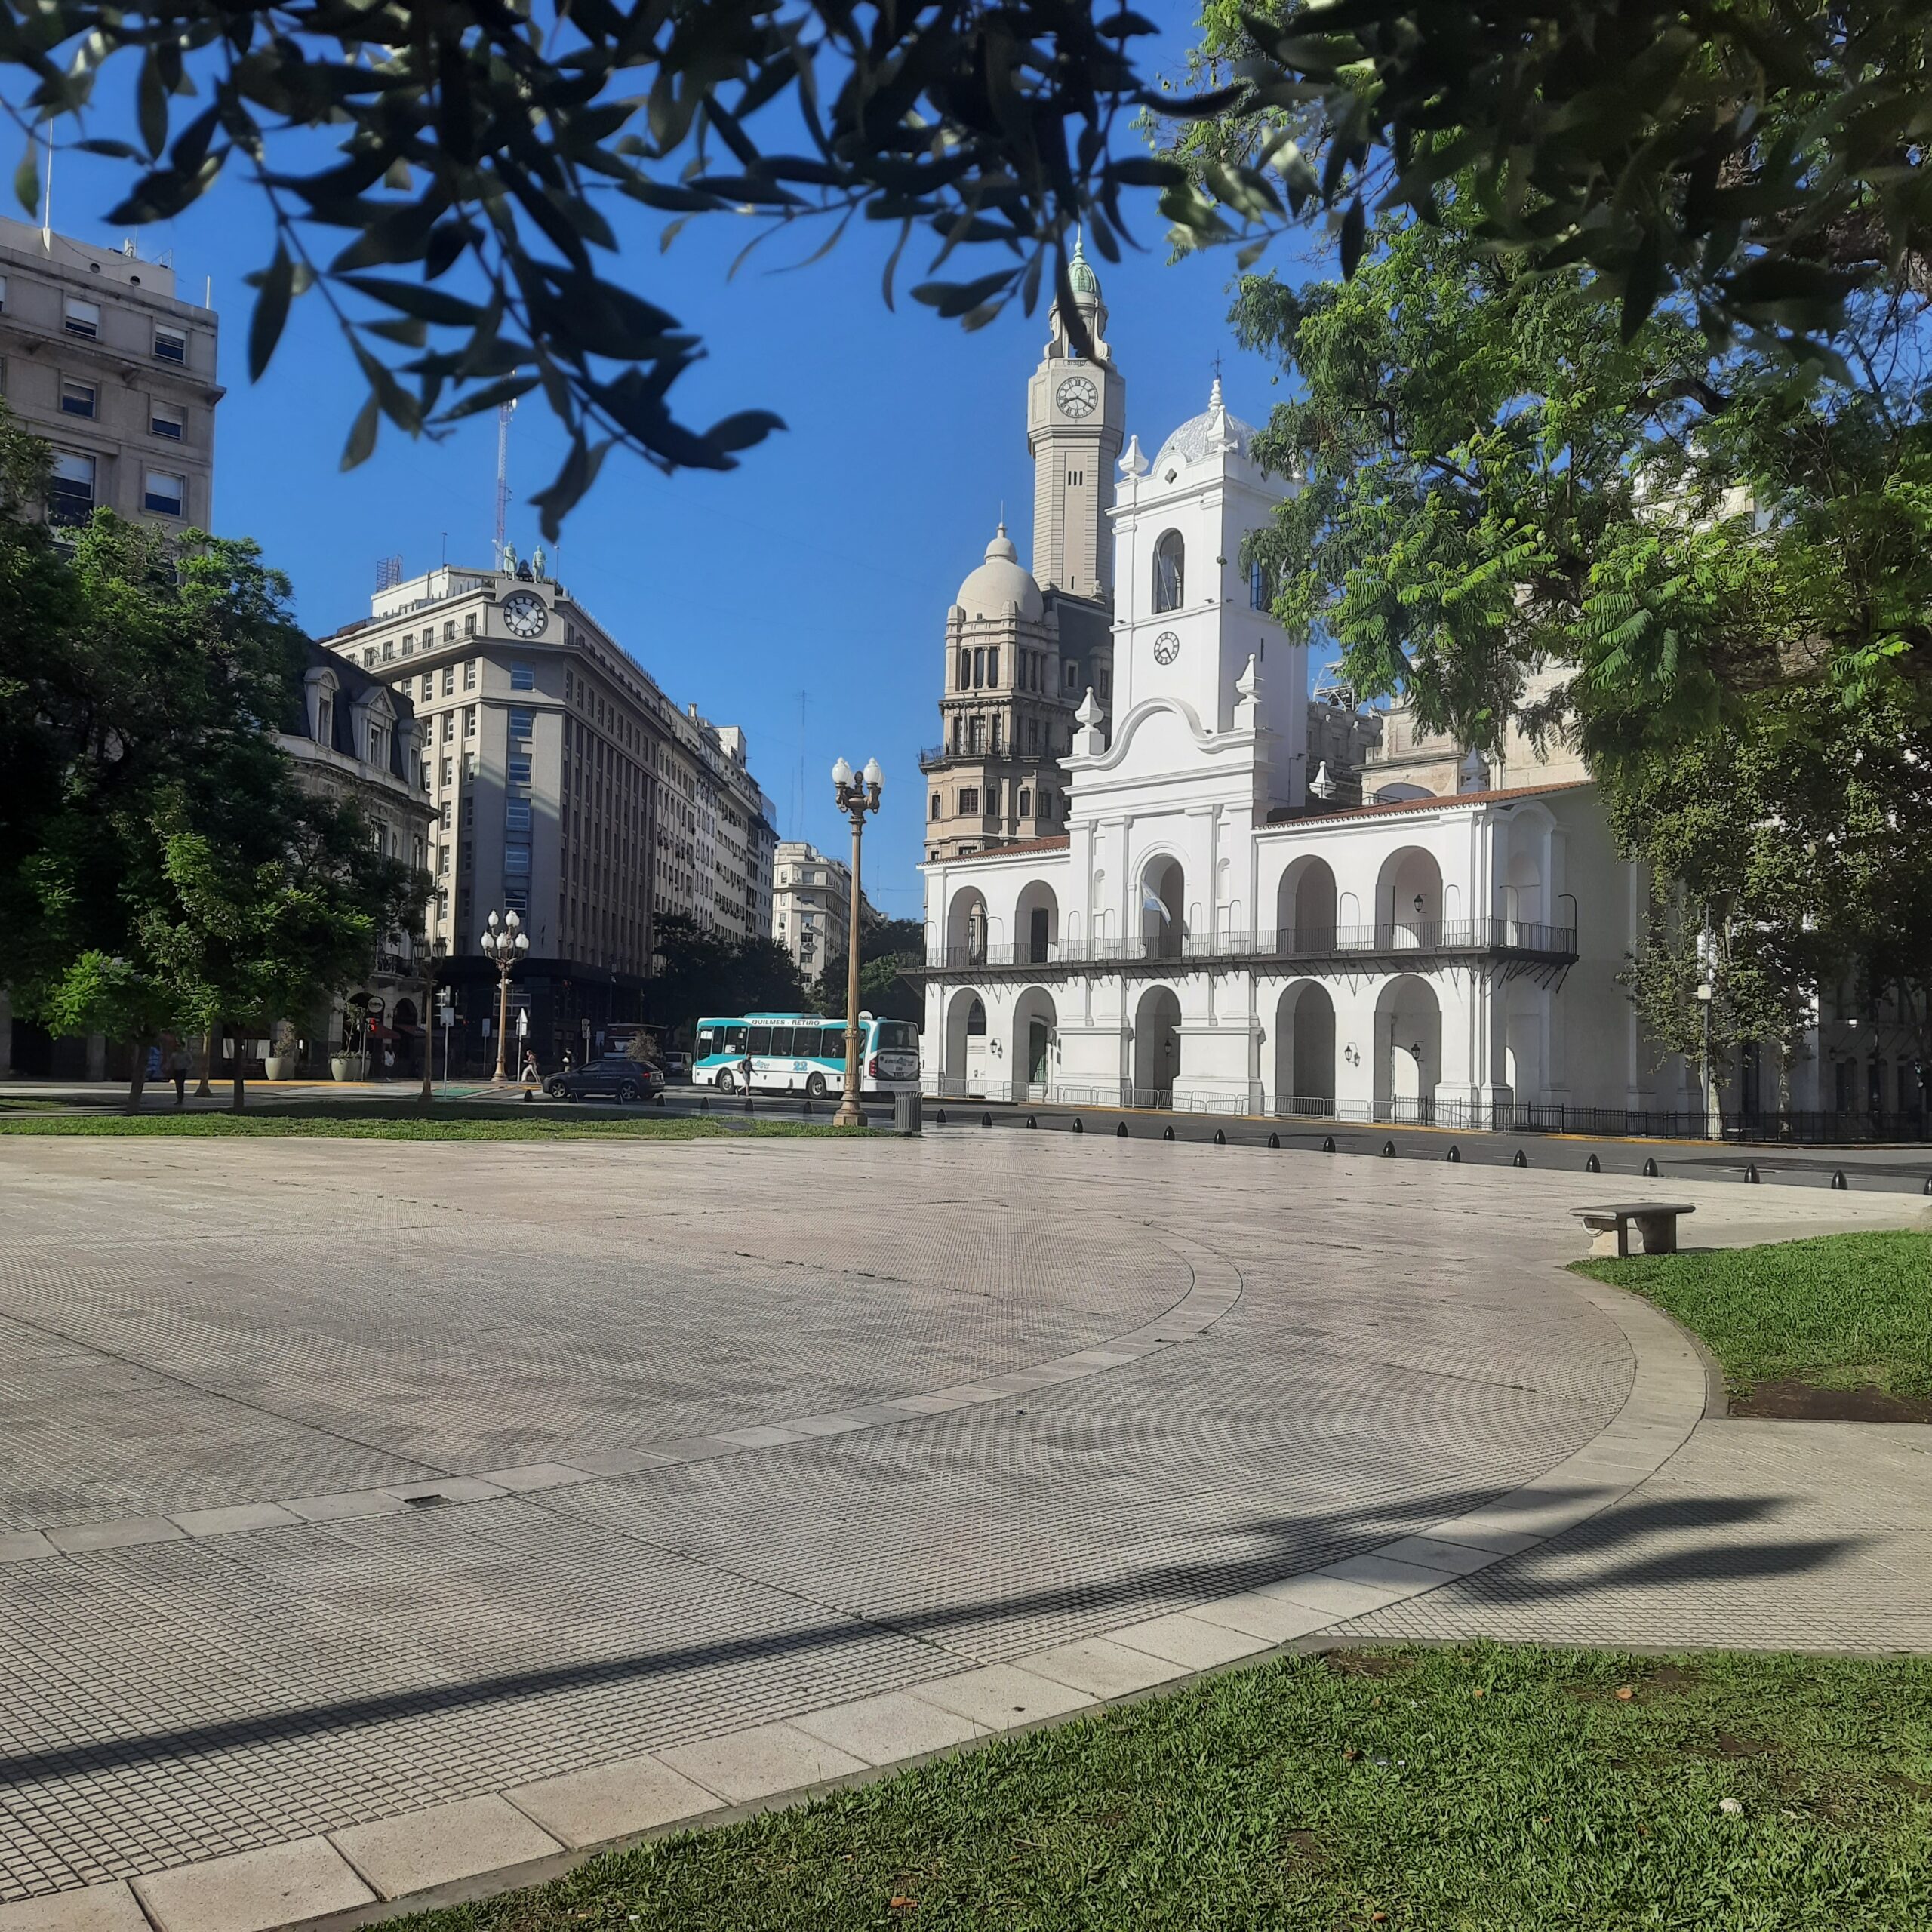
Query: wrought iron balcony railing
{"x": 1435, "y": 937}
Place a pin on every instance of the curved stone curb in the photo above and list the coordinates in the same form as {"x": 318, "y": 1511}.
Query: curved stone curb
{"x": 533, "y": 1832}
{"x": 1215, "y": 1286}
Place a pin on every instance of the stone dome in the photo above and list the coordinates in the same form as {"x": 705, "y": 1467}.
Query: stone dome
{"x": 1084, "y": 280}
{"x": 1001, "y": 584}
{"x": 1199, "y": 434}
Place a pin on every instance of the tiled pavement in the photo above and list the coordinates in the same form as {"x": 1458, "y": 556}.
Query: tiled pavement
{"x": 225, "y": 1367}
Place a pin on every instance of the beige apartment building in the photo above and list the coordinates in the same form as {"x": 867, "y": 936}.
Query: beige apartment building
{"x": 100, "y": 356}
{"x": 811, "y": 905}
{"x": 563, "y": 786}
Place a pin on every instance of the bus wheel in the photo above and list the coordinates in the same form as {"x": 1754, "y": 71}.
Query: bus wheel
{"x": 725, "y": 1083}
{"x": 815, "y": 1086}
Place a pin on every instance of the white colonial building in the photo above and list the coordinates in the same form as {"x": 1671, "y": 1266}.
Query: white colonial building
{"x": 1216, "y": 930}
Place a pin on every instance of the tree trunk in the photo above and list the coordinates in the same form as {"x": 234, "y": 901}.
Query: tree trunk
{"x": 209, "y": 1040}
{"x": 140, "y": 1079}
{"x": 235, "y": 1105}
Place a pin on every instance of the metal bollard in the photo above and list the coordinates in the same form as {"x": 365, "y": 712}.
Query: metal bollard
{"x": 1120, "y": 1132}
{"x": 1328, "y": 1144}
{"x": 704, "y": 1105}
{"x": 1522, "y": 1160}
{"x": 1839, "y": 1183}
{"x": 1651, "y": 1168}
{"x": 985, "y": 1120}
{"x": 1751, "y": 1170}
{"x": 1455, "y": 1153}
{"x": 748, "y": 1103}
{"x": 1221, "y": 1139}
{"x": 805, "y": 1111}
{"x": 1031, "y": 1122}
{"x": 939, "y": 1118}
{"x": 1275, "y": 1140}
{"x": 1593, "y": 1166}
{"x": 1077, "y": 1127}
{"x": 1388, "y": 1150}
{"x": 1167, "y": 1133}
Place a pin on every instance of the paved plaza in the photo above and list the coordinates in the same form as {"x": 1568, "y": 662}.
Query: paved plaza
{"x": 349, "y": 1486}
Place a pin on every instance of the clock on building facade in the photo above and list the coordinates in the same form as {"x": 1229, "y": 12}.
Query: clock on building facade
{"x": 1167, "y": 647}
{"x": 1078, "y": 396}
{"x": 523, "y": 615}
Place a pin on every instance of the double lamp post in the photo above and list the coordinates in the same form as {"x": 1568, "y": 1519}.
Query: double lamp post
{"x": 504, "y": 942}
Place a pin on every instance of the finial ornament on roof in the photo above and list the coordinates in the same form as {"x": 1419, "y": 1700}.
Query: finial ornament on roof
{"x": 1322, "y": 784}
{"x": 1080, "y": 277}
{"x": 1133, "y": 462}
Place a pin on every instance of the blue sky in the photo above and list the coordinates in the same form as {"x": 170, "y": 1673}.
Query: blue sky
{"x": 823, "y": 566}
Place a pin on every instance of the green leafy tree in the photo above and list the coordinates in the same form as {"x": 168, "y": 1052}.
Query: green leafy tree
{"x": 163, "y": 868}
{"x": 887, "y": 947}
{"x": 1710, "y": 570}
{"x": 702, "y": 972}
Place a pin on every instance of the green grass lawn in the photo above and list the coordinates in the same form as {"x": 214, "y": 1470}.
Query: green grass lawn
{"x": 403, "y": 1121}
{"x": 1431, "y": 1791}
{"x": 1841, "y": 1311}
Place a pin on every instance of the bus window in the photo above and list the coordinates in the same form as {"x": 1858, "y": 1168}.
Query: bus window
{"x": 897, "y": 1036}
{"x": 760, "y": 1040}
{"x": 734, "y": 1039}
{"x": 831, "y": 1045}
{"x": 707, "y": 1041}
{"x": 781, "y": 1042}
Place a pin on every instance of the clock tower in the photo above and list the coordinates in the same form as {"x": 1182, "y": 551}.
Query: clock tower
{"x": 1074, "y": 409}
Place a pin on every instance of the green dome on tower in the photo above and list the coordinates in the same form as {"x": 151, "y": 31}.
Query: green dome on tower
{"x": 1084, "y": 280}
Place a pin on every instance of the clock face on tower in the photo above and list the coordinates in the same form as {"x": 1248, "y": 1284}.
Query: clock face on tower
{"x": 1167, "y": 647}
{"x": 1078, "y": 396}
{"x": 525, "y": 615}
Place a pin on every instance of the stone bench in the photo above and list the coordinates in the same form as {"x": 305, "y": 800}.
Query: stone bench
{"x": 1655, "y": 1220}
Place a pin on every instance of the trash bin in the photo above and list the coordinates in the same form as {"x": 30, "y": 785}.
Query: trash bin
{"x": 905, "y": 1113}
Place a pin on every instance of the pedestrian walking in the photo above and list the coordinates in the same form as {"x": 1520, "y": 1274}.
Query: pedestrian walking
{"x": 179, "y": 1066}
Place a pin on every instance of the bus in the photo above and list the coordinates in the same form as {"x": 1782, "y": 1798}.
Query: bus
{"x": 804, "y": 1052}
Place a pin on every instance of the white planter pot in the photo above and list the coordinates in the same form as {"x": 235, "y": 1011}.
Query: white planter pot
{"x": 341, "y": 1067}
{"x": 276, "y": 1067}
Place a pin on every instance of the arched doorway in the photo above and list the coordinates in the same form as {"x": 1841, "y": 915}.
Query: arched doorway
{"x": 1408, "y": 900}
{"x": 1035, "y": 1036}
{"x": 1156, "y": 1047}
{"x": 1305, "y": 908}
{"x": 1408, "y": 1050}
{"x": 1305, "y": 1050}
{"x": 1036, "y": 923}
{"x": 1163, "y": 905}
{"x": 966, "y": 928}
{"x": 965, "y": 1026}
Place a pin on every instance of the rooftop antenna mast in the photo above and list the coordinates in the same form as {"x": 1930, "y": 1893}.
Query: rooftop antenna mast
{"x": 504, "y": 411}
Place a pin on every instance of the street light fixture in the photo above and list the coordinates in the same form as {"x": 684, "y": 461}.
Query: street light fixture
{"x": 856, "y": 797}
{"x": 505, "y": 942}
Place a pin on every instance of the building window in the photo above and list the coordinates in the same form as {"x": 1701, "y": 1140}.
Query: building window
{"x": 516, "y": 898}
{"x": 82, "y": 318}
{"x": 1072, "y": 678}
{"x": 1260, "y": 591}
{"x": 165, "y": 421}
{"x": 469, "y": 669}
{"x": 164, "y": 495}
{"x": 516, "y": 814}
{"x": 1032, "y": 734}
{"x": 523, "y": 724}
{"x": 999, "y": 732}
{"x": 965, "y": 670}
{"x": 442, "y": 861}
{"x": 324, "y": 721}
{"x": 469, "y": 630}
{"x": 523, "y": 677}
{"x": 389, "y": 649}
{"x": 449, "y": 727}
{"x": 449, "y": 631}
{"x": 1046, "y": 804}
{"x": 169, "y": 345}
{"x": 519, "y": 771}
{"x": 428, "y": 685}
{"x": 70, "y": 489}
{"x": 1025, "y": 805}
{"x": 1075, "y": 478}
{"x": 969, "y": 797}
{"x": 443, "y": 815}
{"x": 993, "y": 665}
{"x": 77, "y": 399}
{"x": 368, "y": 655}
{"x": 379, "y": 746}
{"x": 516, "y": 858}
{"x": 3, "y": 294}
{"x": 448, "y": 772}
{"x": 469, "y": 720}
{"x": 1169, "y": 571}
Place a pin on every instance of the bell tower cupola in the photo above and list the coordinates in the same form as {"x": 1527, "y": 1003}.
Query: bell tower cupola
{"x": 1075, "y": 408}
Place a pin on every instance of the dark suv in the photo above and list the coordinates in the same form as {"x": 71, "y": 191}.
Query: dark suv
{"x": 616, "y": 1077}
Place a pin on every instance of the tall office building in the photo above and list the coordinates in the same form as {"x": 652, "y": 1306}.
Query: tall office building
{"x": 565, "y": 786}
{"x": 100, "y": 356}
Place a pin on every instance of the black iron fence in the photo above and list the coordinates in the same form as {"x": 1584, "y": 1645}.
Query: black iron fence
{"x": 1799, "y": 1128}
{"x": 1435, "y": 937}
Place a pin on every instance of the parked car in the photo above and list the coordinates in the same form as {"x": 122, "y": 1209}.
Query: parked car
{"x": 677, "y": 1066}
{"x": 615, "y": 1077}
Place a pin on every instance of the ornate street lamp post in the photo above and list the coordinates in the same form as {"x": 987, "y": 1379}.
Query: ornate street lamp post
{"x": 856, "y": 798}
{"x": 505, "y": 942}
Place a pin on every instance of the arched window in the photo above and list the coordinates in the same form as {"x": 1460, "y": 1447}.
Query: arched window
{"x": 993, "y": 665}
{"x": 978, "y": 669}
{"x": 965, "y": 669}
{"x": 1025, "y": 802}
{"x": 1169, "y": 571}
{"x": 976, "y": 1019}
{"x": 935, "y": 805}
{"x": 1260, "y": 591}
